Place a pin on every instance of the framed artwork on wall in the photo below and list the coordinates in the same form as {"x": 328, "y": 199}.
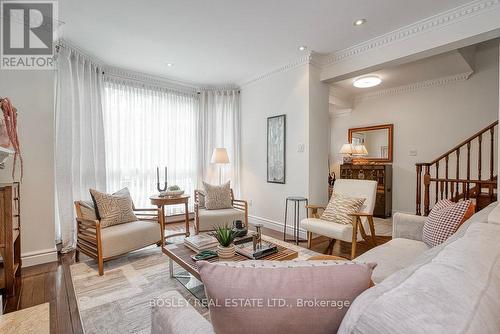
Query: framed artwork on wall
{"x": 276, "y": 149}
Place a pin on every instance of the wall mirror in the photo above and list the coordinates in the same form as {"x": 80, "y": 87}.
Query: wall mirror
{"x": 377, "y": 141}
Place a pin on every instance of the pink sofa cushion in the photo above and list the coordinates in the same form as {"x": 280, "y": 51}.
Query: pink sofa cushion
{"x": 282, "y": 297}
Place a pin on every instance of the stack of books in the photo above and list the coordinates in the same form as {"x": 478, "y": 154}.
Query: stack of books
{"x": 200, "y": 242}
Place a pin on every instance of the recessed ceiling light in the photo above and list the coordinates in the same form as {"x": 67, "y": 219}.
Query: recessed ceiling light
{"x": 170, "y": 64}
{"x": 359, "y": 22}
{"x": 302, "y": 48}
{"x": 367, "y": 82}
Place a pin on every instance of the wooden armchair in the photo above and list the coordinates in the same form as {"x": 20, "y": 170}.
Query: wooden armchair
{"x": 360, "y": 220}
{"x": 205, "y": 219}
{"x": 106, "y": 243}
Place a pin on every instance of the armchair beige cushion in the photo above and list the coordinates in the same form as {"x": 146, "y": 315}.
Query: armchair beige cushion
{"x": 122, "y": 238}
{"x": 209, "y": 218}
{"x": 329, "y": 229}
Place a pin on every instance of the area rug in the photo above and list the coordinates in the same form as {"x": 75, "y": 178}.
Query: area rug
{"x": 119, "y": 301}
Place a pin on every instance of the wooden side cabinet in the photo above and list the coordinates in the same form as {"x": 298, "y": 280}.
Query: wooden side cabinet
{"x": 10, "y": 236}
{"x": 382, "y": 173}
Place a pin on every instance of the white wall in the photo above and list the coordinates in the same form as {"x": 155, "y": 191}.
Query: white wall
{"x": 319, "y": 145}
{"x": 430, "y": 121}
{"x": 300, "y": 95}
{"x": 283, "y": 93}
{"x": 32, "y": 93}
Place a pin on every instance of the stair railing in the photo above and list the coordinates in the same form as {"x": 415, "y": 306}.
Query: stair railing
{"x": 436, "y": 184}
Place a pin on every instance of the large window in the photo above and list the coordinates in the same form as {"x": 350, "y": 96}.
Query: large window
{"x": 146, "y": 127}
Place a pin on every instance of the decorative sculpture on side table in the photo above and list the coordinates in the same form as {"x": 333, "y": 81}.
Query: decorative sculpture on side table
{"x": 158, "y": 180}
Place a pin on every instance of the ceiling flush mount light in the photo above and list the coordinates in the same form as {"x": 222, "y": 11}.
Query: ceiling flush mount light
{"x": 367, "y": 82}
{"x": 302, "y": 48}
{"x": 170, "y": 64}
{"x": 359, "y": 22}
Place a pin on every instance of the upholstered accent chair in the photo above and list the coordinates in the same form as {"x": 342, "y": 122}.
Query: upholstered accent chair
{"x": 362, "y": 221}
{"x": 106, "y": 243}
{"x": 205, "y": 219}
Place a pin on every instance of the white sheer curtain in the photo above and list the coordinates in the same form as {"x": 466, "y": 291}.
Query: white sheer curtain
{"x": 146, "y": 127}
{"x": 79, "y": 152}
{"x": 220, "y": 127}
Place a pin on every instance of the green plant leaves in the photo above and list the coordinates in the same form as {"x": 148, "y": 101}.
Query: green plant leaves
{"x": 224, "y": 235}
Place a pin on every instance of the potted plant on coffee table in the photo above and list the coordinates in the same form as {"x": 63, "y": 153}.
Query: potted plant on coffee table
{"x": 225, "y": 236}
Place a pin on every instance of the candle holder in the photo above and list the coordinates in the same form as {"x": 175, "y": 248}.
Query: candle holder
{"x": 165, "y": 185}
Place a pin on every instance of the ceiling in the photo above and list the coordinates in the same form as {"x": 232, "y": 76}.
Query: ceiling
{"x": 228, "y": 41}
{"x": 439, "y": 66}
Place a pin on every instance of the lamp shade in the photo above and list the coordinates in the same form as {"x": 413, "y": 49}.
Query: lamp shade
{"x": 360, "y": 150}
{"x": 347, "y": 149}
{"x": 219, "y": 156}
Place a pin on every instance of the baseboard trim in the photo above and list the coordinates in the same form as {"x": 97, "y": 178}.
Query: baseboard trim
{"x": 39, "y": 257}
{"x": 276, "y": 226}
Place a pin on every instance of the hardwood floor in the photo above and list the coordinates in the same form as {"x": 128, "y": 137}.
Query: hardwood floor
{"x": 51, "y": 283}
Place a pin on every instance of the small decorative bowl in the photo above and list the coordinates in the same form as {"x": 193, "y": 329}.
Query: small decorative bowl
{"x": 174, "y": 193}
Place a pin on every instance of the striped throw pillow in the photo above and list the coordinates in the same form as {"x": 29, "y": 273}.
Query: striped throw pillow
{"x": 340, "y": 207}
{"x": 114, "y": 209}
{"x": 444, "y": 220}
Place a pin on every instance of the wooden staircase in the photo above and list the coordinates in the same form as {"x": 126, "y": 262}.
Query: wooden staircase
{"x": 460, "y": 173}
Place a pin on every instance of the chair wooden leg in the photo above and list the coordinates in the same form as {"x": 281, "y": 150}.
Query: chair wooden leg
{"x": 372, "y": 230}
{"x": 332, "y": 244}
{"x": 354, "y": 237}
{"x": 77, "y": 255}
{"x": 329, "y": 248}
{"x": 309, "y": 239}
{"x": 100, "y": 264}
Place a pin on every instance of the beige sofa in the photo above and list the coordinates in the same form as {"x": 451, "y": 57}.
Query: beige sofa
{"x": 450, "y": 288}
{"x": 106, "y": 243}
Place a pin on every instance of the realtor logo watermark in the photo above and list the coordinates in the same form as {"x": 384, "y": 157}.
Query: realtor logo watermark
{"x": 27, "y": 34}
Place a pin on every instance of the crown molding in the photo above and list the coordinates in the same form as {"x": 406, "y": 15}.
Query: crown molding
{"x": 312, "y": 58}
{"x": 432, "y": 23}
{"x": 415, "y": 86}
{"x": 340, "y": 113}
{"x": 153, "y": 80}
{"x": 62, "y": 43}
{"x": 142, "y": 78}
{"x": 287, "y": 67}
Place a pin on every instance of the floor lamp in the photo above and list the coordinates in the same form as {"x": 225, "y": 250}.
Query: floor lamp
{"x": 220, "y": 157}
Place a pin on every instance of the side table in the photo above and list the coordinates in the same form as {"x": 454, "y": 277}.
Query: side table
{"x": 161, "y": 202}
{"x": 296, "y": 200}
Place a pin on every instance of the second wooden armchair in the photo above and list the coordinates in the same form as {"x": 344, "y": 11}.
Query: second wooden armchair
{"x": 361, "y": 221}
{"x": 206, "y": 219}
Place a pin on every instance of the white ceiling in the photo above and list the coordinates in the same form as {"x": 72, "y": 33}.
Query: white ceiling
{"x": 440, "y": 66}
{"x": 228, "y": 41}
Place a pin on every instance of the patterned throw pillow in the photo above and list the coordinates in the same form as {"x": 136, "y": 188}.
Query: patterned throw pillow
{"x": 444, "y": 220}
{"x": 114, "y": 209}
{"x": 218, "y": 197}
{"x": 340, "y": 207}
